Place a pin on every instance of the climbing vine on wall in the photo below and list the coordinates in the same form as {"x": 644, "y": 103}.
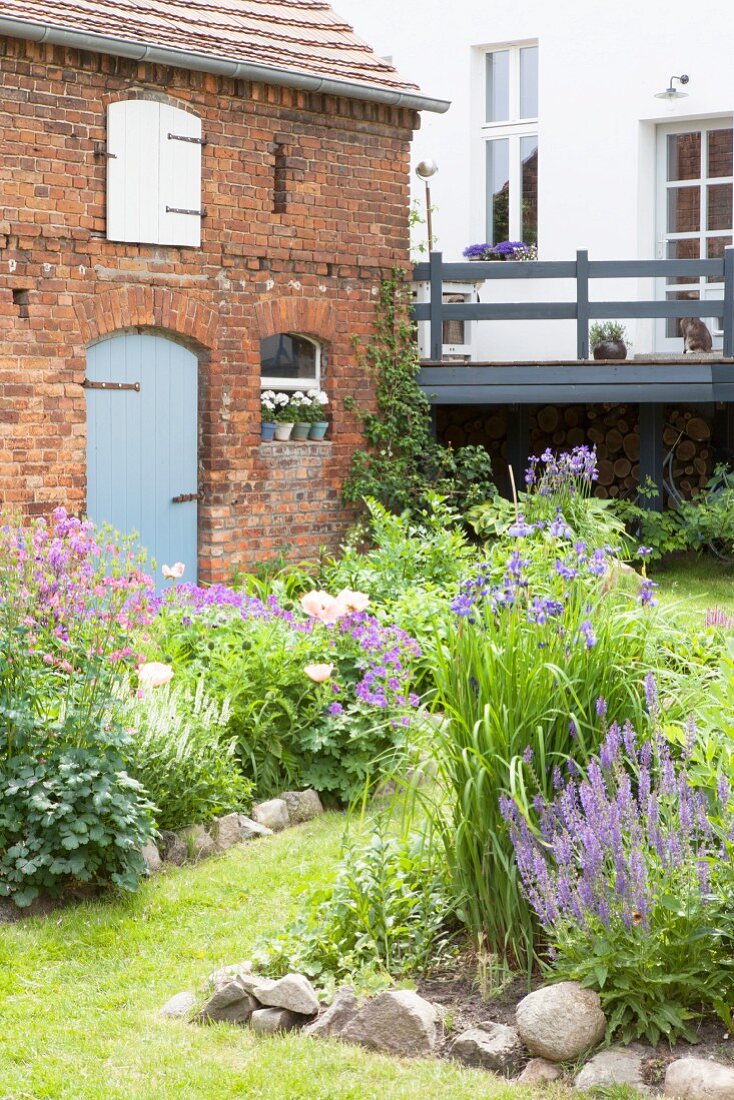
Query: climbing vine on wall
{"x": 402, "y": 462}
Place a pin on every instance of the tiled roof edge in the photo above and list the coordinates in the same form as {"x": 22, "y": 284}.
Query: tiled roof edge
{"x": 224, "y": 66}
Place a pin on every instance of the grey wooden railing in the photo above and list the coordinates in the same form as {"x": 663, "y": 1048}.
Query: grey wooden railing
{"x": 582, "y": 310}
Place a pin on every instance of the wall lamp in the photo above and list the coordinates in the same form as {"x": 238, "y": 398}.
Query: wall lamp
{"x": 672, "y": 92}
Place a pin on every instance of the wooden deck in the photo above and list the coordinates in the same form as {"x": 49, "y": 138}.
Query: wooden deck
{"x": 654, "y": 381}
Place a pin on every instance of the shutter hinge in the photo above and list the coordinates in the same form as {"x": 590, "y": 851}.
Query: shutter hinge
{"x": 183, "y": 137}
{"x": 184, "y": 498}
{"x": 178, "y": 210}
{"x": 87, "y": 384}
{"x": 100, "y": 150}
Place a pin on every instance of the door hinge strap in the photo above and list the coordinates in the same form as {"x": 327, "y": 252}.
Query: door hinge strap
{"x": 89, "y": 385}
{"x": 183, "y": 137}
{"x": 184, "y": 498}
{"x": 178, "y": 210}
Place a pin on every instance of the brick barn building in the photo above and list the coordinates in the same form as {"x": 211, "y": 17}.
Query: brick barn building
{"x": 197, "y": 200}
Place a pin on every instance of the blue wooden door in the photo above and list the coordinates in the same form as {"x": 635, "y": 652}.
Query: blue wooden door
{"x": 142, "y": 444}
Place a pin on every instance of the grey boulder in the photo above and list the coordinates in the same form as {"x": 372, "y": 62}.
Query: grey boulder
{"x": 229, "y": 1003}
{"x": 250, "y": 830}
{"x": 273, "y": 814}
{"x": 234, "y": 972}
{"x": 173, "y": 848}
{"x": 613, "y": 1067}
{"x": 199, "y": 845}
{"x": 270, "y": 1021}
{"x": 225, "y": 832}
{"x": 293, "y": 992}
{"x": 560, "y": 1022}
{"x": 302, "y": 805}
{"x": 152, "y": 857}
{"x": 490, "y": 1046}
{"x": 699, "y": 1079}
{"x": 396, "y": 1022}
{"x": 179, "y": 1006}
{"x": 334, "y": 1019}
{"x": 538, "y": 1071}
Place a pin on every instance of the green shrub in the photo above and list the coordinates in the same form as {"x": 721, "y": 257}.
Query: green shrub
{"x": 180, "y": 753}
{"x": 388, "y": 911}
{"x": 72, "y": 816}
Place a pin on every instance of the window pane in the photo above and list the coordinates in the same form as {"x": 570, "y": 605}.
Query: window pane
{"x": 529, "y": 82}
{"x": 498, "y": 86}
{"x": 498, "y": 190}
{"x": 715, "y": 251}
{"x": 684, "y": 209}
{"x": 719, "y": 206}
{"x": 720, "y": 153}
{"x": 687, "y": 249}
{"x": 684, "y": 156}
{"x": 287, "y": 356}
{"x": 529, "y": 182}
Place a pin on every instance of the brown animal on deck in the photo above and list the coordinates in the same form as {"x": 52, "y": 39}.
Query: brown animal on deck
{"x": 696, "y": 336}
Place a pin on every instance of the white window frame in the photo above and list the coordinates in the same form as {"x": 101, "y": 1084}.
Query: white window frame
{"x": 303, "y": 384}
{"x": 513, "y": 129}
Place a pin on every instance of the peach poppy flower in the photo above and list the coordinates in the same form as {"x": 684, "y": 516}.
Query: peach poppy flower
{"x": 174, "y": 572}
{"x": 353, "y": 601}
{"x": 317, "y": 604}
{"x": 154, "y": 674}
{"x": 319, "y": 673}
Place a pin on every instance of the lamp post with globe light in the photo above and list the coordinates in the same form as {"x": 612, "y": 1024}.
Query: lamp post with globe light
{"x": 426, "y": 170}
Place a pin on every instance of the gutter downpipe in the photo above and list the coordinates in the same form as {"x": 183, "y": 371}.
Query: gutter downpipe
{"x": 237, "y": 70}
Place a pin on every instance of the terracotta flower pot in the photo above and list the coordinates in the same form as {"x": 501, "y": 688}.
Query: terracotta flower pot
{"x": 267, "y": 431}
{"x": 319, "y": 429}
{"x": 300, "y": 430}
{"x": 611, "y": 349}
{"x": 283, "y": 432}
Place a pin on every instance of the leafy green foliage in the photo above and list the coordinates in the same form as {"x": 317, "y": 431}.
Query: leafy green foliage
{"x": 72, "y": 816}
{"x": 388, "y": 910}
{"x": 603, "y": 332}
{"x": 404, "y": 462}
{"x": 181, "y": 754}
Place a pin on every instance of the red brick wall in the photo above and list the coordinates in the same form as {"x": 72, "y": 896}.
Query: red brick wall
{"x": 314, "y": 269}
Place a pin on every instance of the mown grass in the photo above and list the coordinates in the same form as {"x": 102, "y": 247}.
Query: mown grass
{"x": 696, "y": 584}
{"x": 80, "y": 993}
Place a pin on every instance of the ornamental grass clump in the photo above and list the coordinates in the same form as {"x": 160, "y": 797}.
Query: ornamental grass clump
{"x": 628, "y": 871}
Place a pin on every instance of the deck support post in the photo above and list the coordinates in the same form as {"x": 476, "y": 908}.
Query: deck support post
{"x": 518, "y": 441}
{"x": 436, "y": 291}
{"x": 652, "y": 454}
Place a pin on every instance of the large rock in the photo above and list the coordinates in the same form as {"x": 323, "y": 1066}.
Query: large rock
{"x": 538, "y": 1071}
{"x": 333, "y": 1020}
{"x": 396, "y": 1022}
{"x": 489, "y": 1046}
{"x": 179, "y": 1006}
{"x": 173, "y": 848}
{"x": 293, "y": 992}
{"x": 226, "y": 974}
{"x": 269, "y": 1021}
{"x": 698, "y": 1079}
{"x": 152, "y": 858}
{"x": 231, "y": 1003}
{"x": 250, "y": 830}
{"x": 272, "y": 814}
{"x": 613, "y": 1067}
{"x": 302, "y": 805}
{"x": 560, "y": 1022}
{"x": 199, "y": 845}
{"x": 225, "y": 832}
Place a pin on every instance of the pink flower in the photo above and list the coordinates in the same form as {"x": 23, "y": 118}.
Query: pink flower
{"x": 318, "y": 673}
{"x": 353, "y": 601}
{"x": 322, "y": 606}
{"x": 174, "y": 572}
{"x": 154, "y": 674}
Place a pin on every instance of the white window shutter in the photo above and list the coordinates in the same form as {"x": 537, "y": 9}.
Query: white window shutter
{"x": 180, "y": 177}
{"x": 133, "y": 170}
{"x": 152, "y": 174}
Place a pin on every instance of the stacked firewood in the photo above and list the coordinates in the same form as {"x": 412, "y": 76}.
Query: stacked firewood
{"x": 688, "y": 435}
{"x": 612, "y": 429}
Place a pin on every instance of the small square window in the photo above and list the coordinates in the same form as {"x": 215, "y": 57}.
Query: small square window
{"x": 290, "y": 362}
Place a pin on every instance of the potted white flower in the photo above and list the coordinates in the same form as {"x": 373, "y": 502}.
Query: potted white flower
{"x": 319, "y": 423}
{"x": 283, "y": 416}
{"x": 267, "y": 415}
{"x": 301, "y": 406}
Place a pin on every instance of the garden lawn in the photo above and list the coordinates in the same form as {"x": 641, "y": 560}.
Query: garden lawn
{"x": 80, "y": 993}
{"x": 695, "y": 584}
